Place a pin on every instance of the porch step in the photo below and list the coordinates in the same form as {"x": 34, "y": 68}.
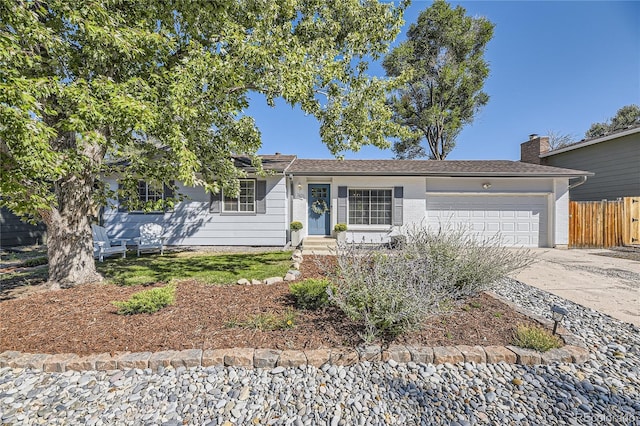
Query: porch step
{"x": 318, "y": 245}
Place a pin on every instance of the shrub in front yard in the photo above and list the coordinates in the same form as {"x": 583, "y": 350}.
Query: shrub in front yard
{"x": 392, "y": 292}
{"x": 536, "y": 337}
{"x": 147, "y": 301}
{"x": 267, "y": 321}
{"x": 467, "y": 264}
{"x": 311, "y": 293}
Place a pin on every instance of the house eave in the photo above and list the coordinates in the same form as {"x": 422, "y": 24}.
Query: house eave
{"x": 592, "y": 142}
{"x": 443, "y": 174}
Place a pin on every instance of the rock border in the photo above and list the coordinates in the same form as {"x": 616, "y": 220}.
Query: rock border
{"x": 574, "y": 351}
{"x": 280, "y": 359}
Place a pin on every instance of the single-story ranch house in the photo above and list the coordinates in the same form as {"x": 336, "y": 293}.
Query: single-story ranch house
{"x": 526, "y": 203}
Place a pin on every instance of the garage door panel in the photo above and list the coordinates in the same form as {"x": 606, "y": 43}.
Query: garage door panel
{"x": 519, "y": 220}
{"x": 492, "y": 227}
{"x": 508, "y": 227}
{"x": 524, "y": 227}
{"x": 478, "y": 226}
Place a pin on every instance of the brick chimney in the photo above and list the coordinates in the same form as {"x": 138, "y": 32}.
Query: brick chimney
{"x": 530, "y": 150}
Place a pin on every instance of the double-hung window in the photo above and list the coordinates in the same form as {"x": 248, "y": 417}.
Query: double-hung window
{"x": 370, "y": 207}
{"x": 246, "y": 200}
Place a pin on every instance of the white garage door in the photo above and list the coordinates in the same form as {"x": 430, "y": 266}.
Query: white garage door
{"x": 519, "y": 220}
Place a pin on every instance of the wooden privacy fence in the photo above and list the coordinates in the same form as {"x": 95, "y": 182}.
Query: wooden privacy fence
{"x": 599, "y": 224}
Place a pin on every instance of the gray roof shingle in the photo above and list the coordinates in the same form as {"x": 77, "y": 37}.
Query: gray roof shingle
{"x": 277, "y": 163}
{"x": 469, "y": 168}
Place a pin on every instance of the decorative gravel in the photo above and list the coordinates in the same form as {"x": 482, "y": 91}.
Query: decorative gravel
{"x": 605, "y": 390}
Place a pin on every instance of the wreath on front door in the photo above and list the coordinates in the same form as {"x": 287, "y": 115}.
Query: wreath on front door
{"x": 319, "y": 206}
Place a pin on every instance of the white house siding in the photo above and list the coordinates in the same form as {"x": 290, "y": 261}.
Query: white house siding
{"x": 523, "y": 211}
{"x": 191, "y": 222}
{"x": 413, "y": 202}
{"x": 561, "y": 213}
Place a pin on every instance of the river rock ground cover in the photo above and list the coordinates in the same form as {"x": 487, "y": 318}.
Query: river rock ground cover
{"x": 603, "y": 391}
{"x": 82, "y": 320}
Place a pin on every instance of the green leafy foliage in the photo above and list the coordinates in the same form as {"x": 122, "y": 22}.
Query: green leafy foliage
{"x": 536, "y": 338}
{"x": 340, "y": 227}
{"x": 443, "y": 71}
{"x": 147, "y": 301}
{"x": 627, "y": 116}
{"x": 295, "y": 225}
{"x": 392, "y": 292}
{"x": 157, "y": 91}
{"x": 311, "y": 293}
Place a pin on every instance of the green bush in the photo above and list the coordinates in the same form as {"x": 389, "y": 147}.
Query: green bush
{"x": 536, "y": 337}
{"x": 296, "y": 226}
{"x": 340, "y": 227}
{"x": 311, "y": 293}
{"x": 267, "y": 321}
{"x": 35, "y": 261}
{"x": 147, "y": 301}
{"x": 392, "y": 292}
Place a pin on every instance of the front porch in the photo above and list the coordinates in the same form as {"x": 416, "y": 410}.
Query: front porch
{"x": 319, "y": 244}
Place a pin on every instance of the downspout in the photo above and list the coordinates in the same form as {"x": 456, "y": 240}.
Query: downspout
{"x": 582, "y": 180}
{"x": 290, "y": 209}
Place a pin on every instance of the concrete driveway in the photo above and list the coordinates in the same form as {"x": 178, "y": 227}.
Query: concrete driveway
{"x": 606, "y": 284}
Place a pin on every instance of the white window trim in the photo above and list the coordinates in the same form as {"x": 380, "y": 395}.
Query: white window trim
{"x": 223, "y": 201}
{"x": 355, "y": 226}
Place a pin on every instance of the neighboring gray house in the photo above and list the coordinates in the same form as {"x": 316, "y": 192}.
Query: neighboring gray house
{"x": 526, "y": 203}
{"x": 14, "y": 232}
{"x": 614, "y": 159}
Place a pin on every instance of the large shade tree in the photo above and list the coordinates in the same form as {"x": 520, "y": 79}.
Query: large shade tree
{"x": 156, "y": 90}
{"x": 442, "y": 63}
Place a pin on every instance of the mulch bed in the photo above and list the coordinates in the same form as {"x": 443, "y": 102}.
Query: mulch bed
{"x": 82, "y": 320}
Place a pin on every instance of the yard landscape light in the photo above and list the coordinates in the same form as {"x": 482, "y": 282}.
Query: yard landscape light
{"x": 557, "y": 313}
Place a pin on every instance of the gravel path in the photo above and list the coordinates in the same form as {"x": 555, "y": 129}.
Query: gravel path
{"x": 605, "y": 390}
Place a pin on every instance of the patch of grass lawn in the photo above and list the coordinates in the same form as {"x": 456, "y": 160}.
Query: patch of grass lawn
{"x": 32, "y": 277}
{"x": 206, "y": 267}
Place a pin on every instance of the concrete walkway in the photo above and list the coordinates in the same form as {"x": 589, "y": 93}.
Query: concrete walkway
{"x": 606, "y": 284}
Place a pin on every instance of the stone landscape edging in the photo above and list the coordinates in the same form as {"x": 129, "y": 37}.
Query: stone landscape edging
{"x": 574, "y": 351}
{"x": 273, "y": 358}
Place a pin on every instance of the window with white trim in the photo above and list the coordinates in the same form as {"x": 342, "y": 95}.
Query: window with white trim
{"x": 370, "y": 206}
{"x": 246, "y": 200}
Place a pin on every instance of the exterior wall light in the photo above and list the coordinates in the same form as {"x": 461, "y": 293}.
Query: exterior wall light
{"x": 486, "y": 185}
{"x": 557, "y": 313}
{"x": 299, "y": 187}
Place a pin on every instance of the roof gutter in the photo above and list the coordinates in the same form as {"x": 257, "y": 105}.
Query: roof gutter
{"x": 440, "y": 174}
{"x": 582, "y": 180}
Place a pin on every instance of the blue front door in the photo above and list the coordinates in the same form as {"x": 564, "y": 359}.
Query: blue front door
{"x": 319, "y": 209}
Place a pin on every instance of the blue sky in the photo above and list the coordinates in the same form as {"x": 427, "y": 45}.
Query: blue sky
{"x": 555, "y": 66}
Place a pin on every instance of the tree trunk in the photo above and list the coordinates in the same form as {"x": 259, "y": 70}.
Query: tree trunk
{"x": 69, "y": 238}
